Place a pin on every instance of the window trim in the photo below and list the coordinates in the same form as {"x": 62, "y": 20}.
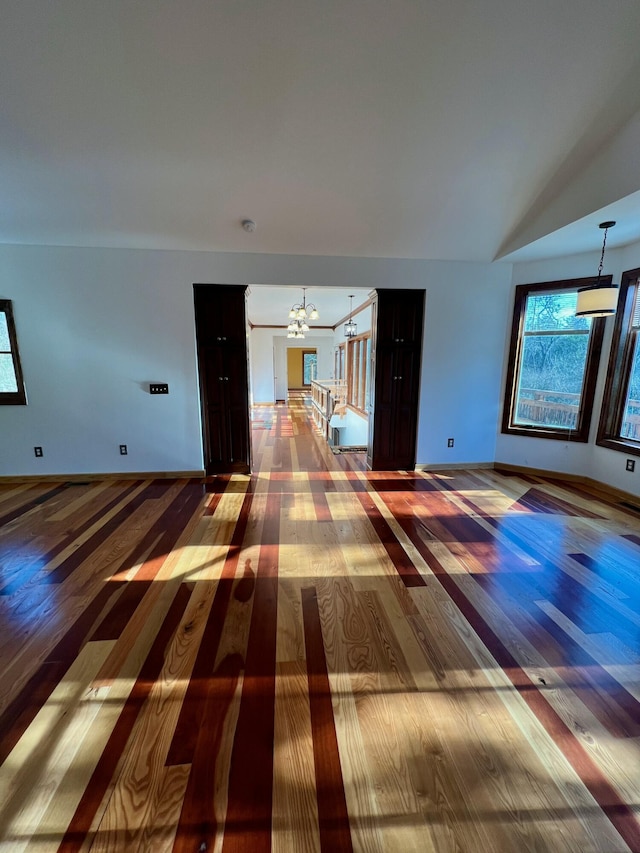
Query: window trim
{"x": 618, "y": 368}
{"x": 307, "y": 352}
{"x": 357, "y": 372}
{"x": 19, "y": 397}
{"x": 581, "y": 432}
{"x": 340, "y": 361}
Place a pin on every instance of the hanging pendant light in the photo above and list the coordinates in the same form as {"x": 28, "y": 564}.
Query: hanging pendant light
{"x": 350, "y": 328}
{"x": 598, "y": 300}
{"x": 299, "y": 314}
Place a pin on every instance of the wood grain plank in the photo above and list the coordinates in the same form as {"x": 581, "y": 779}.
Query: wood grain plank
{"x": 104, "y": 770}
{"x": 494, "y": 705}
{"x": 250, "y": 791}
{"x": 199, "y": 825}
{"x": 333, "y": 817}
{"x": 184, "y": 740}
{"x": 30, "y": 776}
{"x": 295, "y": 808}
{"x": 29, "y": 505}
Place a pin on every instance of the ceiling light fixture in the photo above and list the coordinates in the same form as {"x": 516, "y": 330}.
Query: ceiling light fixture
{"x": 299, "y": 314}
{"x": 350, "y": 328}
{"x": 296, "y": 329}
{"x": 598, "y": 300}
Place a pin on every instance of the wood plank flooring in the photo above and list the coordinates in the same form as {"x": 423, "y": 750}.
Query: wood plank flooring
{"x": 317, "y": 658}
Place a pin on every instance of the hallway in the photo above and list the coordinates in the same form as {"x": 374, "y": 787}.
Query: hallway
{"x": 318, "y": 658}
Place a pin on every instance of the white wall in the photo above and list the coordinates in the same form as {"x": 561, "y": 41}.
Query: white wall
{"x": 462, "y": 367}
{"x": 269, "y": 353}
{"x": 95, "y": 326}
{"x": 604, "y": 465}
{"x": 362, "y": 320}
{"x": 354, "y": 429}
{"x": 261, "y": 360}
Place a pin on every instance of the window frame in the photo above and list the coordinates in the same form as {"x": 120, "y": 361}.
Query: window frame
{"x": 585, "y": 410}
{"x": 339, "y": 362}
{"x": 357, "y": 372}
{"x": 623, "y": 343}
{"x": 308, "y": 352}
{"x": 19, "y": 397}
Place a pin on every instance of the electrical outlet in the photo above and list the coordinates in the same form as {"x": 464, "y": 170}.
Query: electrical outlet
{"x": 631, "y": 464}
{"x": 38, "y": 452}
{"x": 123, "y": 450}
{"x": 449, "y": 442}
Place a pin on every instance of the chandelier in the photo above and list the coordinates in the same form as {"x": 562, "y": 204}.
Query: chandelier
{"x": 299, "y": 314}
{"x": 598, "y": 300}
{"x": 350, "y": 328}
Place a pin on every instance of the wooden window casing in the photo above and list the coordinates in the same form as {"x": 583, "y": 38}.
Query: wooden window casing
{"x": 359, "y": 354}
{"x": 305, "y": 353}
{"x": 10, "y": 357}
{"x": 575, "y": 408}
{"x": 619, "y": 427}
{"x": 339, "y": 363}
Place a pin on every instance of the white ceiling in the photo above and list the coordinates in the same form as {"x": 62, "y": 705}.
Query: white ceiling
{"x": 382, "y": 128}
{"x": 269, "y": 305}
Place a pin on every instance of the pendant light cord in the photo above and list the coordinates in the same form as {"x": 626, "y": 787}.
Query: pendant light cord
{"x": 604, "y": 243}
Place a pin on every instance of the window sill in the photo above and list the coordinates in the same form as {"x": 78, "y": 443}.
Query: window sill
{"x": 540, "y": 432}
{"x": 622, "y": 445}
{"x": 13, "y": 398}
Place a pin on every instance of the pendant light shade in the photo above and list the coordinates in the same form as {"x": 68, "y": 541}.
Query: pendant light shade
{"x": 599, "y": 299}
{"x": 350, "y": 328}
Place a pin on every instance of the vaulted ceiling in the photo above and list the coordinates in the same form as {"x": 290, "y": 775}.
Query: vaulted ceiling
{"x": 454, "y": 129}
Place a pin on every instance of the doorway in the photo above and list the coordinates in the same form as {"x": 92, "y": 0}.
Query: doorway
{"x": 266, "y": 346}
{"x": 302, "y": 368}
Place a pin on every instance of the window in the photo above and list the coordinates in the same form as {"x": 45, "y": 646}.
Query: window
{"x": 620, "y": 418}
{"x": 553, "y": 363}
{"x": 358, "y": 371}
{"x": 339, "y": 362}
{"x": 11, "y": 384}
{"x": 309, "y": 366}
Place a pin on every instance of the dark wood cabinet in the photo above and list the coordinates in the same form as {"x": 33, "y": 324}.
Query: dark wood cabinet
{"x": 224, "y": 377}
{"x": 399, "y": 317}
{"x": 397, "y": 324}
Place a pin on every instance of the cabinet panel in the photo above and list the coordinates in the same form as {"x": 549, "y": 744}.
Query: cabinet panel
{"x": 400, "y": 317}
{"x": 224, "y": 380}
{"x": 235, "y": 388}
{"x": 396, "y": 380}
{"x": 406, "y": 399}
{"x": 220, "y": 314}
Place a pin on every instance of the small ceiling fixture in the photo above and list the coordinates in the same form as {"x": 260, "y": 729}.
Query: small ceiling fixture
{"x": 598, "y": 300}
{"x": 350, "y": 328}
{"x": 249, "y": 225}
{"x": 299, "y": 314}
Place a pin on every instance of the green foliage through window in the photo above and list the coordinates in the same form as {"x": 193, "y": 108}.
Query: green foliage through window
{"x": 554, "y": 354}
{"x": 552, "y": 363}
{"x": 620, "y": 417}
{"x": 309, "y": 367}
{"x": 11, "y": 384}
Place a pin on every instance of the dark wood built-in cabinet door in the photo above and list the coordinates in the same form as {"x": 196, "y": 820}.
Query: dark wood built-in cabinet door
{"x": 399, "y": 317}
{"x": 224, "y": 377}
{"x": 397, "y": 324}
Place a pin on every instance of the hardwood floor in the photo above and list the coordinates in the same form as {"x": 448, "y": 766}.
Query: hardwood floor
{"x": 317, "y": 658}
